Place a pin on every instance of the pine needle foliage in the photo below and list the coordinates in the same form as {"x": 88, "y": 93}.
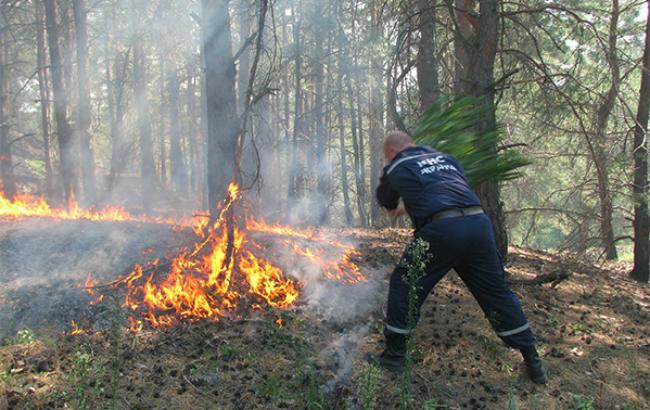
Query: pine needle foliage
{"x": 450, "y": 126}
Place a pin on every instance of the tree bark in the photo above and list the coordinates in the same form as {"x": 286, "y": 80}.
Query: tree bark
{"x": 179, "y": 179}
{"x": 161, "y": 128}
{"x": 322, "y": 161}
{"x": 358, "y": 179}
{"x": 475, "y": 49}
{"x": 142, "y": 108}
{"x": 83, "y": 104}
{"x": 8, "y": 187}
{"x": 116, "y": 87}
{"x": 601, "y": 144}
{"x": 221, "y": 100}
{"x": 294, "y": 172}
{"x": 427, "y": 66}
{"x": 349, "y": 219}
{"x": 641, "y": 270}
{"x": 44, "y": 95}
{"x": 376, "y": 120}
{"x": 65, "y": 138}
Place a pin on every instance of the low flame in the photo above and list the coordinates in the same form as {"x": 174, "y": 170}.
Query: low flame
{"x": 75, "y": 329}
{"x": 25, "y": 205}
{"x": 220, "y": 276}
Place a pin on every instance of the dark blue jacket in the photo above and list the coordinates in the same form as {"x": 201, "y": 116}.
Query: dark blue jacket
{"x": 427, "y": 180}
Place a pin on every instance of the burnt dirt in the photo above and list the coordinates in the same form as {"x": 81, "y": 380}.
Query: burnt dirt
{"x": 593, "y": 331}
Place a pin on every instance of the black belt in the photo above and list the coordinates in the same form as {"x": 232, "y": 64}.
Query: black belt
{"x": 455, "y": 212}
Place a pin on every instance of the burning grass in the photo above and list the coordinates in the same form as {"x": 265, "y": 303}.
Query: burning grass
{"x": 25, "y": 205}
{"x": 595, "y": 343}
{"x": 223, "y": 275}
{"x": 273, "y": 353}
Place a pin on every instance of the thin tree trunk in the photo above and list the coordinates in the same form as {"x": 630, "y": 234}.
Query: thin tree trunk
{"x": 161, "y": 122}
{"x": 147, "y": 167}
{"x": 83, "y": 104}
{"x": 343, "y": 151}
{"x": 44, "y": 95}
{"x": 427, "y": 66}
{"x": 6, "y": 162}
{"x": 221, "y": 99}
{"x": 297, "y": 119}
{"x": 360, "y": 194}
{"x": 322, "y": 171}
{"x": 176, "y": 152}
{"x": 116, "y": 79}
{"x": 244, "y": 59}
{"x": 193, "y": 135}
{"x": 601, "y": 144}
{"x": 64, "y": 134}
{"x": 641, "y": 270}
{"x": 376, "y": 120}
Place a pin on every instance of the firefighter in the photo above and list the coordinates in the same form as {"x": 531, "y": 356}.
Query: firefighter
{"x": 447, "y": 214}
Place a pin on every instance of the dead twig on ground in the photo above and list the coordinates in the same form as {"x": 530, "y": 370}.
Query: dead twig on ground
{"x": 554, "y": 278}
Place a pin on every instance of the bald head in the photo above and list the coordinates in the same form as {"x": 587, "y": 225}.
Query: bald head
{"x": 395, "y": 142}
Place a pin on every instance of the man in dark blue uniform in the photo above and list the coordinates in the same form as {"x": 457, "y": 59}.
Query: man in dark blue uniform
{"x": 447, "y": 214}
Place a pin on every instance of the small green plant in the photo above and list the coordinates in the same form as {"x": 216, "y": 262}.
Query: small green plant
{"x": 368, "y": 384}
{"x": 512, "y": 399}
{"x": 312, "y": 397}
{"x": 115, "y": 360}
{"x": 228, "y": 352}
{"x": 638, "y": 377}
{"x": 553, "y": 322}
{"x": 495, "y": 352}
{"x": 85, "y": 378}
{"x": 23, "y": 337}
{"x": 272, "y": 387}
{"x": 415, "y": 263}
{"x": 580, "y": 402}
{"x": 581, "y": 327}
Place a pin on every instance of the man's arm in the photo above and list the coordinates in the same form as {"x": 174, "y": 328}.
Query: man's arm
{"x": 386, "y": 195}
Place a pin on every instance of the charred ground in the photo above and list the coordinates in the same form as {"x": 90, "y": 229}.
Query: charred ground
{"x": 593, "y": 329}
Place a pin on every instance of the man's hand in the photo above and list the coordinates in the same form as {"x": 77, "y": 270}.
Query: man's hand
{"x": 399, "y": 211}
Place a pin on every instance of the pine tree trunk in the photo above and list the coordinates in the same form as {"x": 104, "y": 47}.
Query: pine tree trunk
{"x": 475, "y": 49}
{"x": 147, "y": 166}
{"x": 360, "y": 194}
{"x": 162, "y": 129}
{"x": 600, "y": 144}
{"x": 116, "y": 84}
{"x": 221, "y": 100}
{"x": 294, "y": 172}
{"x": 64, "y": 135}
{"x": 83, "y": 104}
{"x": 177, "y": 164}
{"x": 349, "y": 219}
{"x": 376, "y": 120}
{"x": 641, "y": 270}
{"x": 44, "y": 95}
{"x": 322, "y": 167}
{"x": 8, "y": 187}
{"x": 427, "y": 65}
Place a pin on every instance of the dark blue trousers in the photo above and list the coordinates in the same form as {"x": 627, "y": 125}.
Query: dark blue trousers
{"x": 465, "y": 244}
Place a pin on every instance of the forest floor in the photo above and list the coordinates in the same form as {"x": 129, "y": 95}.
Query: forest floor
{"x": 593, "y": 330}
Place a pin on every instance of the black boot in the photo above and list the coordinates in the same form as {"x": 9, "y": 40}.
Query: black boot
{"x": 393, "y": 356}
{"x": 536, "y": 369}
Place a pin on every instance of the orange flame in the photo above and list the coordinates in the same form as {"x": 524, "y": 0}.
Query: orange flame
{"x": 222, "y": 274}
{"x": 75, "y": 329}
{"x": 25, "y": 205}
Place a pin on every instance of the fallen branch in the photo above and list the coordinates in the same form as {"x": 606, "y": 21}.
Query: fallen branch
{"x": 554, "y": 278}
